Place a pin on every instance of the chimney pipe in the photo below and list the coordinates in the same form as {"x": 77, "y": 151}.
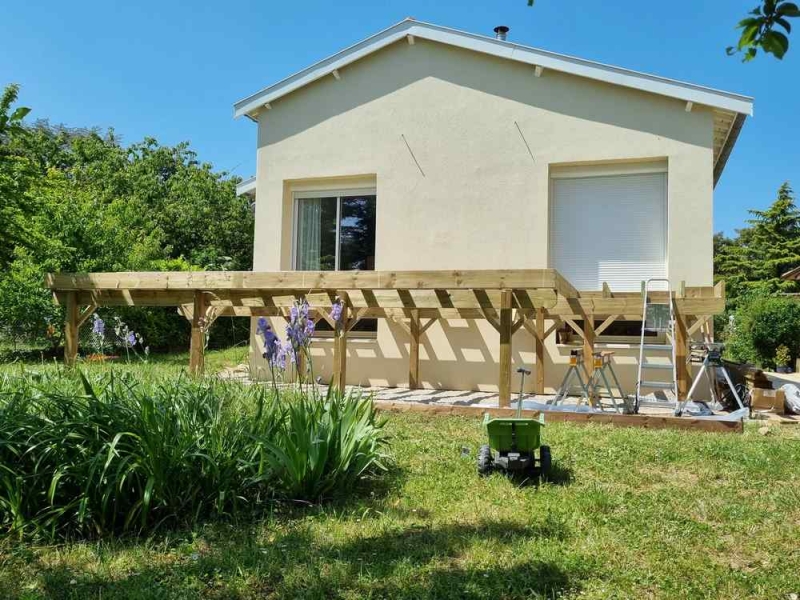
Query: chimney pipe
{"x": 501, "y": 32}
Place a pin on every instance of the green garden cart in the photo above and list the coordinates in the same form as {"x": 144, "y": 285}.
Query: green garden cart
{"x": 513, "y": 442}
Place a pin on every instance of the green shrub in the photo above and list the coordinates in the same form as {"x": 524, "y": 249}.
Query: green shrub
{"x": 760, "y": 325}
{"x": 81, "y": 457}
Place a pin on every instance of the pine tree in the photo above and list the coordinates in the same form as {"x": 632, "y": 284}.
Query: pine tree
{"x": 764, "y": 251}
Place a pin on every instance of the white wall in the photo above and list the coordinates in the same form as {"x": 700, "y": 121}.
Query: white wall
{"x": 478, "y": 199}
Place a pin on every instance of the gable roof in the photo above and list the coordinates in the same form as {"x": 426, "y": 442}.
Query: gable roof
{"x": 730, "y": 110}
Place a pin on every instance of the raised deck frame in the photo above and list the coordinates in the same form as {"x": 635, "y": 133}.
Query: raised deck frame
{"x": 508, "y": 299}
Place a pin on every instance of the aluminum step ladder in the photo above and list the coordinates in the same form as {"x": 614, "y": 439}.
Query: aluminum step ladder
{"x": 660, "y": 317}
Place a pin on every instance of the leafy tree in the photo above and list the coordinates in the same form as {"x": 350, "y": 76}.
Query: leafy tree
{"x": 760, "y": 325}
{"x": 79, "y": 200}
{"x": 16, "y": 173}
{"x": 762, "y": 252}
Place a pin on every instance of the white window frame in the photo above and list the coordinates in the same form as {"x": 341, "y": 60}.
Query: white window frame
{"x": 324, "y": 193}
{"x": 337, "y": 193}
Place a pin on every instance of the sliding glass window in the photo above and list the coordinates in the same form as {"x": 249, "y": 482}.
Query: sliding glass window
{"x": 335, "y": 232}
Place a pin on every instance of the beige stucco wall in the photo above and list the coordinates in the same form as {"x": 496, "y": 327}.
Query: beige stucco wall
{"x": 478, "y": 199}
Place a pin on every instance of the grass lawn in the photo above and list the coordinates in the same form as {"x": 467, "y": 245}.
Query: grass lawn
{"x": 634, "y": 514}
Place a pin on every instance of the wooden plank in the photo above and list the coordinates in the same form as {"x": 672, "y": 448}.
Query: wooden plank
{"x": 504, "y": 384}
{"x": 71, "y": 330}
{"x": 348, "y": 280}
{"x": 197, "y": 344}
{"x": 413, "y": 352}
{"x": 538, "y": 386}
{"x": 613, "y": 419}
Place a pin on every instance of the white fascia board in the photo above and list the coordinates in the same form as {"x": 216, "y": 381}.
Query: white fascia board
{"x": 246, "y": 186}
{"x": 686, "y": 92}
{"x": 321, "y": 69}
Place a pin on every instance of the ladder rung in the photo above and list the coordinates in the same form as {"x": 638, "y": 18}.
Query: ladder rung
{"x": 656, "y": 403}
{"x": 661, "y": 385}
{"x": 657, "y": 346}
{"x": 649, "y": 365}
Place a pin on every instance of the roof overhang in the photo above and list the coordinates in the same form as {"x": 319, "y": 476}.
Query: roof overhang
{"x": 730, "y": 109}
{"x": 247, "y": 187}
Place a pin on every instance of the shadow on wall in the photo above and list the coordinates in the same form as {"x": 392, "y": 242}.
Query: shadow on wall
{"x": 399, "y": 66}
{"x": 464, "y": 361}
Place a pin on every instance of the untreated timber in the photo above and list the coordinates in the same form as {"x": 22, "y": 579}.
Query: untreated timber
{"x": 613, "y": 419}
{"x": 214, "y": 280}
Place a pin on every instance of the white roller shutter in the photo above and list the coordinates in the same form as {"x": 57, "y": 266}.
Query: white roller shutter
{"x": 610, "y": 228}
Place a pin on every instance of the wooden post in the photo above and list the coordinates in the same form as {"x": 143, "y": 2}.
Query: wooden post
{"x": 339, "y": 380}
{"x": 504, "y": 385}
{"x": 71, "y": 330}
{"x": 588, "y": 352}
{"x": 197, "y": 348}
{"x": 681, "y": 354}
{"x": 539, "y": 341}
{"x": 413, "y": 352}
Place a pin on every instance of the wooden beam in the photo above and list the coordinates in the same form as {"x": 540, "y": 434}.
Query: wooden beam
{"x": 336, "y": 75}
{"x": 605, "y": 324}
{"x": 612, "y": 419}
{"x": 413, "y": 352}
{"x": 496, "y": 279}
{"x": 588, "y": 352}
{"x": 538, "y": 71}
{"x": 697, "y": 325}
{"x": 574, "y": 326}
{"x": 689, "y": 106}
{"x": 504, "y": 385}
{"x": 87, "y": 312}
{"x": 518, "y": 322}
{"x": 71, "y": 330}
{"x": 339, "y": 380}
{"x": 410, "y": 39}
{"x": 427, "y": 325}
{"x": 682, "y": 351}
{"x": 197, "y": 344}
{"x": 538, "y": 386}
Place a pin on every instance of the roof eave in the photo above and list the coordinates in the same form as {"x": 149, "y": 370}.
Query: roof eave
{"x": 549, "y": 60}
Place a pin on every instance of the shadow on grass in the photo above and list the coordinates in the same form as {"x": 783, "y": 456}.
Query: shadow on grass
{"x": 402, "y": 562}
{"x": 560, "y": 474}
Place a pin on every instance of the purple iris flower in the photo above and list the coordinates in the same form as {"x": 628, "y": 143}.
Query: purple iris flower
{"x": 98, "y": 326}
{"x": 336, "y": 311}
{"x": 132, "y": 338}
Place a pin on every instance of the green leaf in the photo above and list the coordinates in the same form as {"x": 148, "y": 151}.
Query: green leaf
{"x": 748, "y": 36}
{"x": 788, "y": 9}
{"x": 20, "y": 113}
{"x": 784, "y": 23}
{"x": 776, "y": 43}
{"x": 747, "y": 22}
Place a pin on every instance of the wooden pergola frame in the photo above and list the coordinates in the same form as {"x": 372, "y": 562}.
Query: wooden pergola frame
{"x": 508, "y": 299}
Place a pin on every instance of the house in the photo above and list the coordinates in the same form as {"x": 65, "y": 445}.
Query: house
{"x": 423, "y": 147}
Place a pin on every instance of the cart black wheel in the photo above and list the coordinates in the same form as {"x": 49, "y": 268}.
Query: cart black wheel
{"x": 545, "y": 462}
{"x": 485, "y": 461}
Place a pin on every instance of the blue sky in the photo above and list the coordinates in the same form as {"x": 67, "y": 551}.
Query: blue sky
{"x": 173, "y": 70}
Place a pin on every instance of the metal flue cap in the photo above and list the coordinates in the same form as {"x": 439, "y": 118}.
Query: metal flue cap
{"x": 501, "y": 32}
